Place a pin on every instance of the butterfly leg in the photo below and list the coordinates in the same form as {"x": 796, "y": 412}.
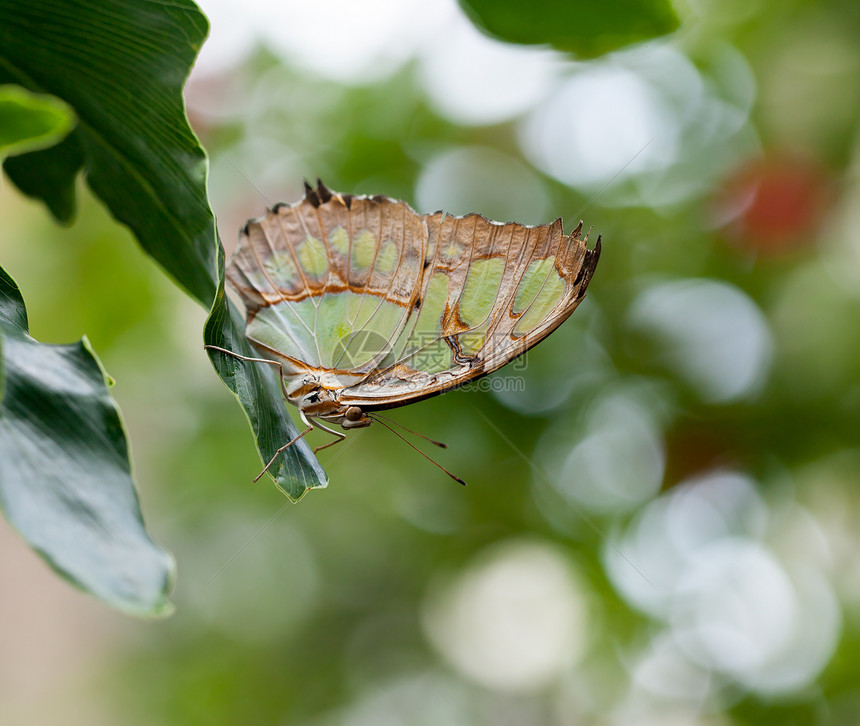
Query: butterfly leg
{"x": 254, "y": 360}
{"x": 284, "y": 448}
{"x": 340, "y": 437}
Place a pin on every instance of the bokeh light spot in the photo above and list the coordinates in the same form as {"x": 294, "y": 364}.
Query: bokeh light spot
{"x": 614, "y": 463}
{"x": 472, "y": 79}
{"x": 513, "y": 620}
{"x": 710, "y": 333}
{"x": 476, "y": 179}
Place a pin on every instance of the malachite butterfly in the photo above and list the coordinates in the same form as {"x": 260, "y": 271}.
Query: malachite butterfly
{"x": 367, "y": 305}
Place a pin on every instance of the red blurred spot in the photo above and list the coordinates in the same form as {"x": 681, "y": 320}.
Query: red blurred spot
{"x": 773, "y": 204}
{"x": 692, "y": 450}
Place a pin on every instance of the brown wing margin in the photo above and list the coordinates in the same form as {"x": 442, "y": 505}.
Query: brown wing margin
{"x": 284, "y": 227}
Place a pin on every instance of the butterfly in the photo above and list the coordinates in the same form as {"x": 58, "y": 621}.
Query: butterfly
{"x": 366, "y": 305}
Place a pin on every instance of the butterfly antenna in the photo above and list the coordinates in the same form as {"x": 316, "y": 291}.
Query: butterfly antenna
{"x": 432, "y": 461}
{"x": 414, "y": 433}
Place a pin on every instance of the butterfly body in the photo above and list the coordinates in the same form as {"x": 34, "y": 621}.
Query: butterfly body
{"x": 315, "y": 401}
{"x": 367, "y": 305}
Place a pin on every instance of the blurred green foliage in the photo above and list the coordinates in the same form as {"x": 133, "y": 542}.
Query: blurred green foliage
{"x": 28, "y": 121}
{"x": 586, "y": 29}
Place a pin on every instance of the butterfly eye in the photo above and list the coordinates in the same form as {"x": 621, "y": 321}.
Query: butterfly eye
{"x": 353, "y": 413}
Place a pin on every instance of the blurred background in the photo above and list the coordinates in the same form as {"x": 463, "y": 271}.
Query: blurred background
{"x": 662, "y": 519}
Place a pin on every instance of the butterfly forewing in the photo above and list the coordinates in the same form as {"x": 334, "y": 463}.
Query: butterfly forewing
{"x": 327, "y": 286}
{"x": 505, "y": 288}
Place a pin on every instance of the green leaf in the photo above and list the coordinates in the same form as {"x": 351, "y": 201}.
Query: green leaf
{"x": 49, "y": 175}
{"x": 257, "y": 387}
{"x": 65, "y": 475}
{"x": 121, "y": 65}
{"x": 12, "y": 310}
{"x": 583, "y": 27}
{"x": 29, "y": 121}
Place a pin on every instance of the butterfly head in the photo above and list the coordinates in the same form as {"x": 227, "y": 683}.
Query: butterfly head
{"x": 315, "y": 401}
